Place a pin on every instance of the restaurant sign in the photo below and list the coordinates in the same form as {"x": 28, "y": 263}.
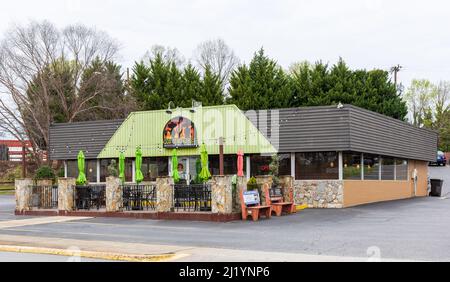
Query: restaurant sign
{"x": 180, "y": 132}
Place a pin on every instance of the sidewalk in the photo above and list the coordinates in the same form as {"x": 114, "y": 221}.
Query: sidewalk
{"x": 162, "y": 253}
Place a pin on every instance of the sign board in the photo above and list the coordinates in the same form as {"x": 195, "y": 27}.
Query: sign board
{"x": 251, "y": 198}
{"x": 180, "y": 132}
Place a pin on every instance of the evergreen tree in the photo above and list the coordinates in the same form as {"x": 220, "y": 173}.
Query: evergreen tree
{"x": 191, "y": 87}
{"x": 318, "y": 86}
{"x": 140, "y": 86}
{"x": 156, "y": 85}
{"x": 211, "y": 88}
{"x": 262, "y": 85}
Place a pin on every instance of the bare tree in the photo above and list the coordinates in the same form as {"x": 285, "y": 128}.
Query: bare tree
{"x": 218, "y": 56}
{"x": 41, "y": 66}
{"x": 170, "y": 55}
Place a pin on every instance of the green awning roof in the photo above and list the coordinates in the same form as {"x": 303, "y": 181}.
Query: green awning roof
{"x": 146, "y": 129}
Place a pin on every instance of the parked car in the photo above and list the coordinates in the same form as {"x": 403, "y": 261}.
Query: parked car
{"x": 440, "y": 160}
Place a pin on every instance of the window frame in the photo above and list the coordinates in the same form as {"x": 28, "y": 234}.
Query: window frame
{"x": 337, "y": 165}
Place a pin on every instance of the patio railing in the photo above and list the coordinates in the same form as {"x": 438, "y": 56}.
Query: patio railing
{"x": 193, "y": 198}
{"x": 44, "y": 197}
{"x": 90, "y": 196}
{"x": 139, "y": 197}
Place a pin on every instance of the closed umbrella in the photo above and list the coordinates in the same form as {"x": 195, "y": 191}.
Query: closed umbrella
{"x": 139, "y": 175}
{"x": 204, "y": 174}
{"x": 122, "y": 167}
{"x": 175, "y": 174}
{"x": 81, "y": 180}
{"x": 240, "y": 163}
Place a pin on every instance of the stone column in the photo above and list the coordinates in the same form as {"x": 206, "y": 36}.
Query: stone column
{"x": 287, "y": 184}
{"x": 23, "y": 194}
{"x": 114, "y": 195}
{"x": 222, "y": 195}
{"x": 164, "y": 194}
{"x": 241, "y": 186}
{"x": 261, "y": 180}
{"x": 66, "y": 189}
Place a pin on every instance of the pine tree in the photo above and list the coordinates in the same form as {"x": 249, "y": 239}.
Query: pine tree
{"x": 262, "y": 85}
{"x": 140, "y": 86}
{"x": 191, "y": 86}
{"x": 320, "y": 85}
{"x": 156, "y": 85}
{"x": 211, "y": 89}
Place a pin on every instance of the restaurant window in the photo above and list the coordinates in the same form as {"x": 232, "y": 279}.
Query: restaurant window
{"x": 91, "y": 171}
{"x": 128, "y": 170}
{"x": 387, "y": 168}
{"x": 72, "y": 169}
{"x": 320, "y": 165}
{"x": 352, "y": 166}
{"x": 154, "y": 167}
{"x": 229, "y": 164}
{"x": 104, "y": 164}
{"x": 260, "y": 165}
{"x": 284, "y": 164}
{"x": 401, "y": 167}
{"x": 371, "y": 167}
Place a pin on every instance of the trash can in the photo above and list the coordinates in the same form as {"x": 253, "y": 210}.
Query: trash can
{"x": 436, "y": 187}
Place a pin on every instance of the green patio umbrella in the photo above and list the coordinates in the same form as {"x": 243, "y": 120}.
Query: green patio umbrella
{"x": 175, "y": 174}
{"x": 81, "y": 180}
{"x": 122, "y": 167}
{"x": 204, "y": 174}
{"x": 139, "y": 175}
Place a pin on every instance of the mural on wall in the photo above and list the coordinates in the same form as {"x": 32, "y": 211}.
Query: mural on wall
{"x": 180, "y": 132}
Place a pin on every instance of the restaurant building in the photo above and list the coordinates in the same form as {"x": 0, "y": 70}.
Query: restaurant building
{"x": 338, "y": 156}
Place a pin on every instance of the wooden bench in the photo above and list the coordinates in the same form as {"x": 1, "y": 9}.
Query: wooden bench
{"x": 276, "y": 202}
{"x": 251, "y": 205}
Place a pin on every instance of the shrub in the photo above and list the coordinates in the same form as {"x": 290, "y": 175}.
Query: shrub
{"x": 112, "y": 169}
{"x": 252, "y": 184}
{"x": 44, "y": 172}
{"x": 274, "y": 170}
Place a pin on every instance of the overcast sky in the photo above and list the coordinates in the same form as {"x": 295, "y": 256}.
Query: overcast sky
{"x": 366, "y": 33}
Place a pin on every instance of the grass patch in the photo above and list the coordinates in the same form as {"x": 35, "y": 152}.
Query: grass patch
{"x": 7, "y": 189}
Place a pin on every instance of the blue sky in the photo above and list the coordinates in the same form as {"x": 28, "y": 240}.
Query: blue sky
{"x": 366, "y": 33}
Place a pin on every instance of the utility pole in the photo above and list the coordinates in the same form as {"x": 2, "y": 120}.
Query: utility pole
{"x": 24, "y": 162}
{"x": 395, "y": 70}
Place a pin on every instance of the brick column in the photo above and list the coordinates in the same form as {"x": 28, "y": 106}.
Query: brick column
{"x": 66, "y": 188}
{"x": 114, "y": 195}
{"x": 164, "y": 194}
{"x": 23, "y": 194}
{"x": 221, "y": 195}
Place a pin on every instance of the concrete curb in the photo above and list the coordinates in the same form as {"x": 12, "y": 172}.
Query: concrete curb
{"x": 91, "y": 254}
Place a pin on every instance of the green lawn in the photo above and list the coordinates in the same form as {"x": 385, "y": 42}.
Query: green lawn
{"x": 7, "y": 189}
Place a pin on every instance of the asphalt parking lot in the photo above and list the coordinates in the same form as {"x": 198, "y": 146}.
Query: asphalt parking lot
{"x": 415, "y": 229}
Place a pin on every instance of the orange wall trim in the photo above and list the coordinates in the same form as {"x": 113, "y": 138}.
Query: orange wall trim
{"x": 364, "y": 192}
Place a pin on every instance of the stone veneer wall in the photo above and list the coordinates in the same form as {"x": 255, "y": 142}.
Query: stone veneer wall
{"x": 221, "y": 195}
{"x": 23, "y": 194}
{"x": 164, "y": 194}
{"x": 66, "y": 188}
{"x": 319, "y": 193}
{"x": 114, "y": 194}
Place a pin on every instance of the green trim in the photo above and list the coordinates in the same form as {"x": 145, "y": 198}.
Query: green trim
{"x": 145, "y": 129}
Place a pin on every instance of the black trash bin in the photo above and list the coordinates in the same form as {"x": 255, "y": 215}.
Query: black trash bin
{"x": 436, "y": 187}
